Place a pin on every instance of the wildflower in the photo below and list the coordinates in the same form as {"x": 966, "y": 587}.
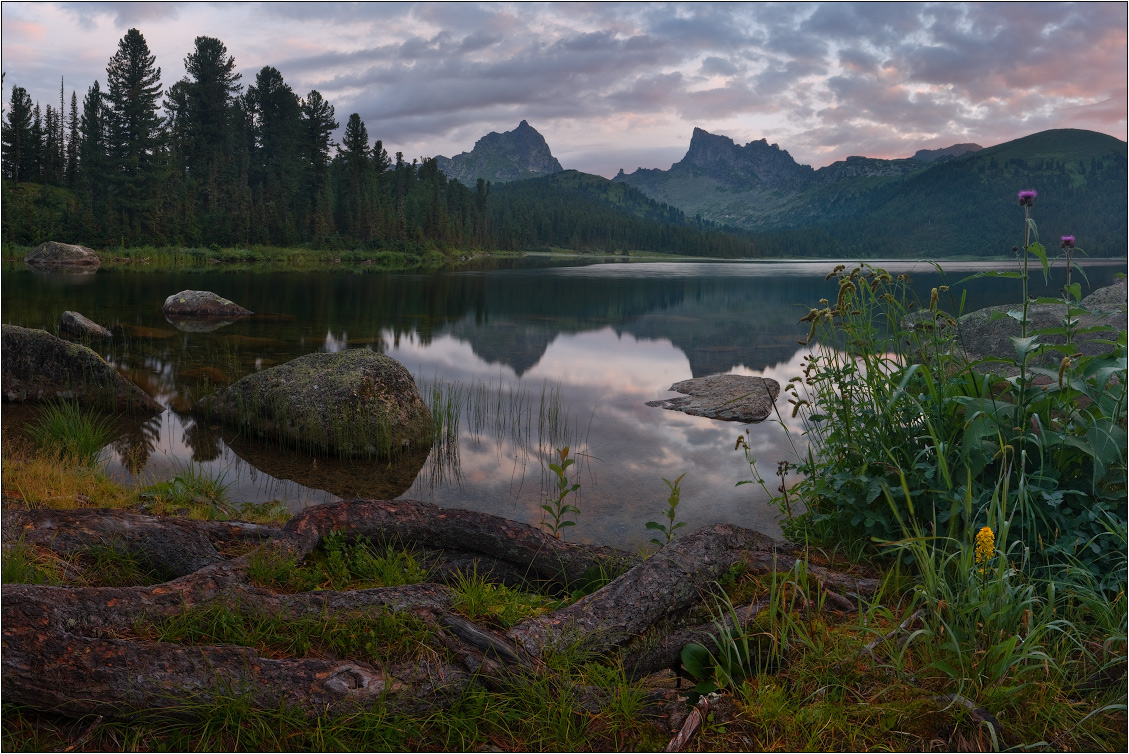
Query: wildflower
{"x": 1068, "y": 242}
{"x": 1062, "y": 367}
{"x": 985, "y": 547}
{"x": 1027, "y": 197}
{"x": 846, "y": 288}
{"x": 933, "y": 295}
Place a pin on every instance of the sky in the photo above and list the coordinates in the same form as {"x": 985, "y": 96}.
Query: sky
{"x": 614, "y": 86}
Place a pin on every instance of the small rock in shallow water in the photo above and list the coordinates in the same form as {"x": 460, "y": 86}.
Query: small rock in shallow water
{"x": 730, "y": 397}
{"x": 78, "y": 326}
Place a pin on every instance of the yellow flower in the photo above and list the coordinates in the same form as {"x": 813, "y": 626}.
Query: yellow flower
{"x": 985, "y": 546}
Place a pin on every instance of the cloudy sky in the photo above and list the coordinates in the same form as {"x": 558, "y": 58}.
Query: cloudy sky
{"x": 615, "y": 86}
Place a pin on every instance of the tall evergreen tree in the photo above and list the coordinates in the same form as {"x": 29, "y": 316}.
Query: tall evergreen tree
{"x": 207, "y": 121}
{"x": 52, "y": 149}
{"x": 72, "y": 142}
{"x": 17, "y": 136}
{"x": 275, "y": 120}
{"x": 93, "y": 164}
{"x": 133, "y": 83}
{"x": 355, "y": 202}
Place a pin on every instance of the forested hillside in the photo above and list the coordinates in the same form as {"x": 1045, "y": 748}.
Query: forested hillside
{"x": 580, "y": 211}
{"x": 211, "y": 162}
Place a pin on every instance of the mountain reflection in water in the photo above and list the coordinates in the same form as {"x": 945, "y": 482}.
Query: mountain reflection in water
{"x": 600, "y": 340}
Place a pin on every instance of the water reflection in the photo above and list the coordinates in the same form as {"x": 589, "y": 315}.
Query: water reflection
{"x": 599, "y": 340}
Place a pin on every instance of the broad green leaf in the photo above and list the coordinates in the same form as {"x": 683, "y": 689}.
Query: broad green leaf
{"x": 1038, "y": 250}
{"x": 1024, "y": 346}
{"x": 697, "y": 661}
{"x": 992, "y": 274}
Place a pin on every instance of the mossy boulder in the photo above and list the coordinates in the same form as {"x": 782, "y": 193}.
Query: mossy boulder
{"x": 354, "y": 403}
{"x": 202, "y": 304}
{"x": 37, "y": 366}
{"x": 53, "y": 255}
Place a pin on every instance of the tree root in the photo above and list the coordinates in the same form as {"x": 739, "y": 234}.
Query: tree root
{"x": 74, "y": 650}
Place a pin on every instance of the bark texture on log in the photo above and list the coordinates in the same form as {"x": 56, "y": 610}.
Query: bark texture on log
{"x": 67, "y": 648}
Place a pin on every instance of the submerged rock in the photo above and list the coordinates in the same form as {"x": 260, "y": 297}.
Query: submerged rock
{"x": 78, "y": 326}
{"x": 53, "y": 255}
{"x": 202, "y": 304}
{"x": 37, "y": 366}
{"x": 987, "y": 332}
{"x": 730, "y": 397}
{"x": 350, "y": 403}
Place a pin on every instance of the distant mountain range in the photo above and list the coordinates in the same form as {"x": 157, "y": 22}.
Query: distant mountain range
{"x": 959, "y": 200}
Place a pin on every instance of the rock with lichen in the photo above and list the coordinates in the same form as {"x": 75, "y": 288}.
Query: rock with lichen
{"x": 354, "y": 403}
{"x": 37, "y": 366}
{"x": 202, "y": 304}
{"x": 730, "y": 397}
{"x": 75, "y": 325}
{"x": 53, "y": 255}
{"x": 987, "y": 333}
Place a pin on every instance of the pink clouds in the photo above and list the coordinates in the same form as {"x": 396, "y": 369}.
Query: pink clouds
{"x": 823, "y": 80}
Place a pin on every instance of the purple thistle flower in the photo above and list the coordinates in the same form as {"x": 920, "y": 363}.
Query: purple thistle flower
{"x": 1068, "y": 242}
{"x": 1027, "y": 197}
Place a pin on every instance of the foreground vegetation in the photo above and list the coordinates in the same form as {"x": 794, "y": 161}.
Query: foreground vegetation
{"x": 803, "y": 675}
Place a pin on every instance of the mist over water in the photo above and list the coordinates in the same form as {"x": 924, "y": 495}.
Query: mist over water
{"x": 569, "y": 352}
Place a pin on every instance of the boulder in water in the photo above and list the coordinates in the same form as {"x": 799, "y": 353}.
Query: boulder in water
{"x": 53, "y": 255}
{"x": 351, "y": 403}
{"x": 37, "y": 366}
{"x": 75, "y": 325}
{"x": 202, "y": 304}
{"x": 730, "y": 397}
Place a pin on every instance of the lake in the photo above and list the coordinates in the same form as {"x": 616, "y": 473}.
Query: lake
{"x": 546, "y": 351}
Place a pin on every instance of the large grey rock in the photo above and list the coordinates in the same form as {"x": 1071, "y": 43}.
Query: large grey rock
{"x": 55, "y": 255}
{"x": 75, "y": 325}
{"x": 350, "y": 403}
{"x": 37, "y": 366}
{"x": 731, "y": 397}
{"x": 987, "y": 332}
{"x": 202, "y": 304}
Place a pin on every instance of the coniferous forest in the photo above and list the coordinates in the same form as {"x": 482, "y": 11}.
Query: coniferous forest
{"x": 216, "y": 160}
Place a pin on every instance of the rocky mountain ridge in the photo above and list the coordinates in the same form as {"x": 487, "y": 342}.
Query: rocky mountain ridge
{"x": 501, "y": 157}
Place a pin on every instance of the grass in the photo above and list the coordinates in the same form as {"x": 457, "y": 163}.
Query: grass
{"x": 68, "y": 431}
{"x": 337, "y": 564}
{"x": 204, "y": 495}
{"x": 376, "y": 637}
{"x": 259, "y": 258}
{"x": 479, "y": 599}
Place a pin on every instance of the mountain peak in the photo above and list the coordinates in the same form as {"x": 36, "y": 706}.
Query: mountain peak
{"x": 757, "y": 161}
{"x": 501, "y": 157}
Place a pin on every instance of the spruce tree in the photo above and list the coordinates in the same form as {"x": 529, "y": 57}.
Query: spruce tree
{"x": 72, "y": 142}
{"x": 17, "y": 136}
{"x": 133, "y": 83}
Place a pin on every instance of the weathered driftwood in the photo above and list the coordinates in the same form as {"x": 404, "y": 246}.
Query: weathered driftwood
{"x": 73, "y": 650}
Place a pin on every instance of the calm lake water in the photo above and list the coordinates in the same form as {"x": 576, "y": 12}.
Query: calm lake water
{"x": 570, "y": 350}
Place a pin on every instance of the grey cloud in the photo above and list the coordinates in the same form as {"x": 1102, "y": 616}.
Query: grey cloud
{"x": 715, "y": 66}
{"x": 124, "y": 15}
{"x": 478, "y": 40}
